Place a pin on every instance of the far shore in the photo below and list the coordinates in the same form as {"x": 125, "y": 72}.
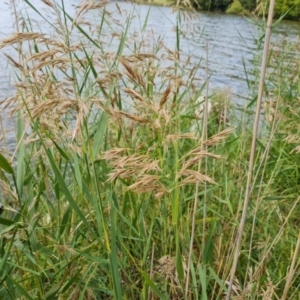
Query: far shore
{"x": 229, "y": 11}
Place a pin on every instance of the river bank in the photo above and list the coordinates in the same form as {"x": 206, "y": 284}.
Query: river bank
{"x": 236, "y": 7}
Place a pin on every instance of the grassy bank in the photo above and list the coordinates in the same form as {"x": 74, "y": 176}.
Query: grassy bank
{"x": 121, "y": 185}
{"x": 235, "y": 8}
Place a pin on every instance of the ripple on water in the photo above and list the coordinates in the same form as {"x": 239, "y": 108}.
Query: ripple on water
{"x": 230, "y": 39}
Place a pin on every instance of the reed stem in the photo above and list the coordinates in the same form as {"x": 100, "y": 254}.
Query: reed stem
{"x": 253, "y": 148}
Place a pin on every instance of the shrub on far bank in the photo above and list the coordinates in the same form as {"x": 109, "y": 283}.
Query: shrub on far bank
{"x": 248, "y": 4}
{"x": 236, "y": 8}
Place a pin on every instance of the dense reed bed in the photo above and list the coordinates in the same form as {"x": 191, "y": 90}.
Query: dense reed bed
{"x": 122, "y": 186}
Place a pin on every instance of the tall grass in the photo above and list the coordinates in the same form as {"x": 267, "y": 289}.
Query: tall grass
{"x": 113, "y": 165}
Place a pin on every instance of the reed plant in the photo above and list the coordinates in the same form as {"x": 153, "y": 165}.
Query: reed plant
{"x": 117, "y": 188}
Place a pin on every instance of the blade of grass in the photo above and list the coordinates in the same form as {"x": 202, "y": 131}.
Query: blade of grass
{"x": 61, "y": 182}
{"x": 42, "y": 16}
{"x": 152, "y": 285}
{"x": 5, "y": 165}
{"x": 21, "y": 290}
{"x": 113, "y": 256}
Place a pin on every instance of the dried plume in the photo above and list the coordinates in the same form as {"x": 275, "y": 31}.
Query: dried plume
{"x": 132, "y": 74}
{"x": 165, "y": 96}
{"x": 220, "y": 136}
{"x": 142, "y": 170}
{"x": 15, "y": 63}
{"x": 19, "y": 37}
{"x": 134, "y": 94}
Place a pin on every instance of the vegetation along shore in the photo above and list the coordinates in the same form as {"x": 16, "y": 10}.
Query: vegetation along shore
{"x": 127, "y": 180}
{"x": 283, "y": 9}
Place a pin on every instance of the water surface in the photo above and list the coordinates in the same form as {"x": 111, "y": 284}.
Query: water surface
{"x": 231, "y": 42}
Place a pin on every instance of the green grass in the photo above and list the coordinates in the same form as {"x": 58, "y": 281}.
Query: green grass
{"x": 102, "y": 193}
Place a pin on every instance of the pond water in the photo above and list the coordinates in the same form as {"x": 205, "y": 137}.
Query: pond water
{"x": 231, "y": 41}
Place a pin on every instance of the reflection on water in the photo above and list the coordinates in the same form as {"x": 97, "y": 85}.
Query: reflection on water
{"x": 230, "y": 41}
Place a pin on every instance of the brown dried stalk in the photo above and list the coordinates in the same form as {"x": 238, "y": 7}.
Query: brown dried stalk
{"x": 253, "y": 148}
{"x": 292, "y": 269}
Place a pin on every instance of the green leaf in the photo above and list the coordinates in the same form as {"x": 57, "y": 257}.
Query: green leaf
{"x": 4, "y": 258}
{"x": 21, "y": 290}
{"x": 61, "y": 151}
{"x": 203, "y": 280}
{"x": 194, "y": 282}
{"x": 113, "y": 257}
{"x": 51, "y": 294}
{"x": 15, "y": 225}
{"x": 153, "y": 286}
{"x": 65, "y": 220}
{"x": 219, "y": 281}
{"x": 5, "y": 165}
{"x": 271, "y": 198}
{"x": 28, "y": 177}
{"x": 65, "y": 190}
{"x": 71, "y": 281}
{"x": 90, "y": 38}
{"x": 21, "y": 155}
{"x": 77, "y": 172}
{"x": 100, "y": 133}
{"x": 179, "y": 265}
{"x": 6, "y": 222}
{"x": 41, "y": 15}
{"x": 146, "y": 20}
